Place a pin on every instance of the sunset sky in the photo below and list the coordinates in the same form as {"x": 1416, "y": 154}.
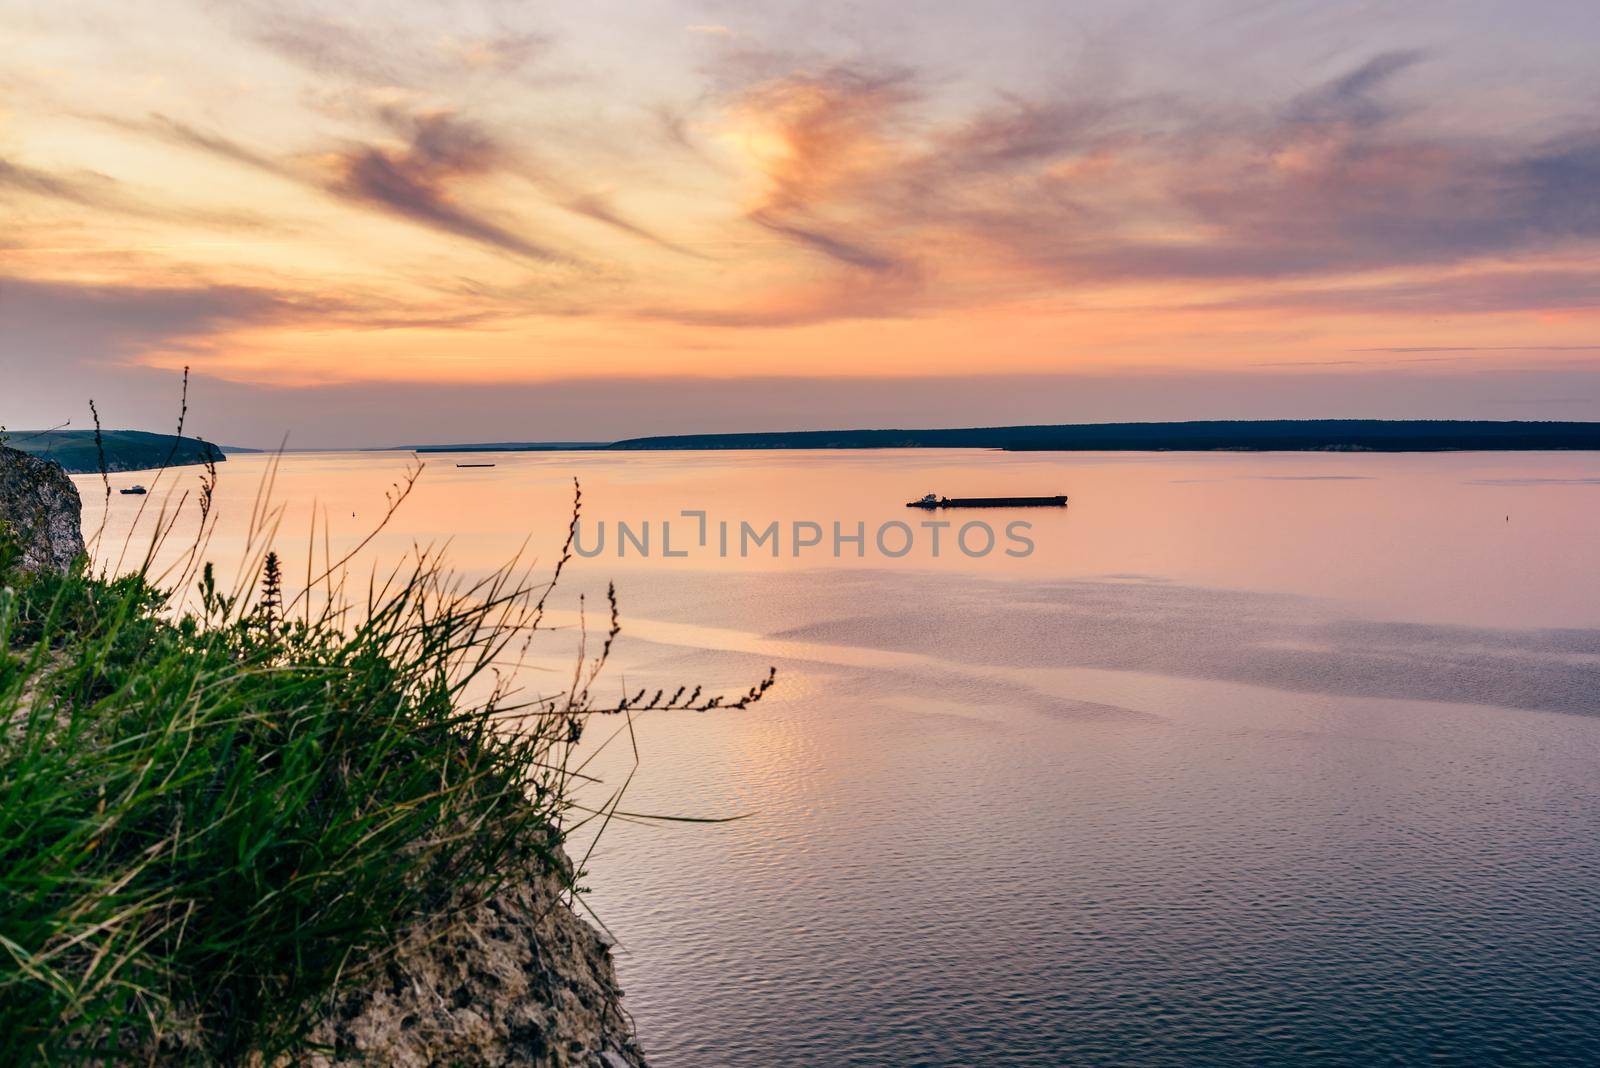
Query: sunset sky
{"x": 374, "y": 223}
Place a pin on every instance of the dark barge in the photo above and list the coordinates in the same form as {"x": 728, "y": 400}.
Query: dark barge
{"x": 933, "y": 500}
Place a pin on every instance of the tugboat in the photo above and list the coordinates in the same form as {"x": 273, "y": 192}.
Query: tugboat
{"x": 933, "y": 500}
{"x": 135, "y": 488}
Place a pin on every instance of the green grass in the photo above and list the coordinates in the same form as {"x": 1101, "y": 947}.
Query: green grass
{"x": 210, "y": 817}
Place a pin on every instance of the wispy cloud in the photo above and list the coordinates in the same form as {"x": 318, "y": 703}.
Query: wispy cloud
{"x": 829, "y": 244}
{"x": 103, "y": 324}
{"x": 415, "y": 182}
{"x": 822, "y": 141}
{"x": 1357, "y": 97}
{"x": 180, "y": 133}
{"x": 90, "y": 191}
{"x": 600, "y": 209}
{"x": 1485, "y": 348}
{"x": 78, "y": 324}
{"x": 103, "y": 193}
{"x": 1101, "y": 190}
{"x": 390, "y": 52}
{"x": 858, "y": 295}
{"x": 1479, "y": 291}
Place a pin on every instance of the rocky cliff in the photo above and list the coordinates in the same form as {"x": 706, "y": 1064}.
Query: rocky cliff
{"x": 41, "y": 506}
{"x": 517, "y": 980}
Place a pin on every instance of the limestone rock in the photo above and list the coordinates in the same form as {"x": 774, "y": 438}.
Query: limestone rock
{"x": 41, "y": 506}
{"x": 518, "y": 980}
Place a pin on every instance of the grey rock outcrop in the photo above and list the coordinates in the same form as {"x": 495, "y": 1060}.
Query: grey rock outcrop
{"x": 517, "y": 980}
{"x": 41, "y": 506}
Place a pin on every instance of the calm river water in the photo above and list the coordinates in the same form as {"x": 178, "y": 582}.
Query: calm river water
{"x": 1254, "y": 759}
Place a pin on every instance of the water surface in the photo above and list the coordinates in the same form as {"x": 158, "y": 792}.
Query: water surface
{"x": 1257, "y": 759}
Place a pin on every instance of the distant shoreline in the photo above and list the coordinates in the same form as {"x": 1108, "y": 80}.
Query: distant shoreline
{"x": 136, "y": 450}
{"x": 502, "y": 446}
{"x": 1287, "y": 435}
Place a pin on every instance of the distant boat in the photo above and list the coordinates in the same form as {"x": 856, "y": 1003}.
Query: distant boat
{"x": 474, "y": 465}
{"x": 933, "y": 500}
{"x": 135, "y": 489}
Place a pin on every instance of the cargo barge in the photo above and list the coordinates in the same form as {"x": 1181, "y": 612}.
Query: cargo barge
{"x": 933, "y": 500}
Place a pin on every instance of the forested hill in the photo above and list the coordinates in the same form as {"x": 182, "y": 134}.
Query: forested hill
{"x": 1325, "y": 435}
{"x": 125, "y": 450}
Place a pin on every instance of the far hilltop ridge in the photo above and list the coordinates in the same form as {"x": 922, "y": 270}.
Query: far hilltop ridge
{"x": 1297, "y": 435}
{"x": 133, "y": 450}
